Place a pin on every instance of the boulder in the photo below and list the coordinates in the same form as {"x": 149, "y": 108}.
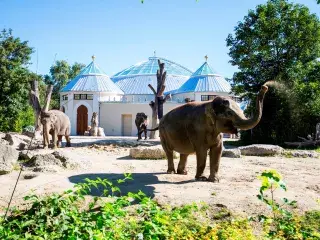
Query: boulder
{"x": 44, "y": 160}
{"x": 154, "y": 152}
{"x": 261, "y": 150}
{"x": 231, "y": 153}
{"x": 17, "y": 141}
{"x": 303, "y": 154}
{"x": 65, "y": 160}
{"x": 8, "y": 158}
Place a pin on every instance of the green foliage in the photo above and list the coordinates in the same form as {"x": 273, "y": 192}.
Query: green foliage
{"x": 14, "y": 77}
{"x": 278, "y": 41}
{"x": 132, "y": 216}
{"x": 60, "y": 73}
{"x": 283, "y": 223}
{"x": 135, "y": 216}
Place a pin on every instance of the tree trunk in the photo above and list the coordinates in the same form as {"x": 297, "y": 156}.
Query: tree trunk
{"x": 34, "y": 100}
{"x": 159, "y": 99}
{"x": 35, "y": 103}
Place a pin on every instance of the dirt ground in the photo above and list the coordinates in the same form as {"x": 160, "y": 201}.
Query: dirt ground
{"x": 237, "y": 188}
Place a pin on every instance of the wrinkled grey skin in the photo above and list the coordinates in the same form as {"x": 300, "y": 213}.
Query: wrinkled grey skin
{"x": 57, "y": 124}
{"x": 196, "y": 127}
{"x": 141, "y": 124}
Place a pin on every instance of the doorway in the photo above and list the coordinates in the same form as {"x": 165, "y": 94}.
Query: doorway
{"x": 82, "y": 120}
{"x": 126, "y": 124}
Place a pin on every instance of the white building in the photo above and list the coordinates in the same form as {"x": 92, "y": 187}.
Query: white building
{"x": 117, "y": 100}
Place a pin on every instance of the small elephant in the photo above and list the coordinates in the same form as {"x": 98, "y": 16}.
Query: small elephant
{"x": 196, "y": 127}
{"x": 141, "y": 123}
{"x": 57, "y": 124}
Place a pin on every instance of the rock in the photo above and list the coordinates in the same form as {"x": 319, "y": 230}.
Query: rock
{"x": 30, "y": 175}
{"x": 155, "y": 152}
{"x": 49, "y": 168}
{"x": 44, "y": 160}
{"x": 261, "y": 150}
{"x": 8, "y": 158}
{"x": 25, "y": 155}
{"x": 231, "y": 153}
{"x": 101, "y": 132}
{"x": 303, "y": 154}
{"x": 17, "y": 141}
{"x": 65, "y": 160}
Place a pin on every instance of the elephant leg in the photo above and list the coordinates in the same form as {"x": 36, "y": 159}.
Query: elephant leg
{"x": 55, "y": 139}
{"x": 215, "y": 156}
{"x": 68, "y": 141}
{"x": 59, "y": 143}
{"x": 45, "y": 138}
{"x": 139, "y": 133}
{"x": 182, "y": 164}
{"x": 201, "y": 164}
{"x": 169, "y": 153}
{"x": 145, "y": 134}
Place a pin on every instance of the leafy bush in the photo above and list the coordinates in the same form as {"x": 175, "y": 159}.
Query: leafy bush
{"x": 285, "y": 223}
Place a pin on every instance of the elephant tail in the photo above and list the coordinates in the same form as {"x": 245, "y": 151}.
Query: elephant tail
{"x": 154, "y": 129}
{"x": 150, "y": 130}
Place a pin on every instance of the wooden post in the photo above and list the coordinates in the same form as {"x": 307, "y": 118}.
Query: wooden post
{"x": 159, "y": 98}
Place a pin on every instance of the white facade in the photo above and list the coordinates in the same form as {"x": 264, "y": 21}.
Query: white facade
{"x": 112, "y": 115}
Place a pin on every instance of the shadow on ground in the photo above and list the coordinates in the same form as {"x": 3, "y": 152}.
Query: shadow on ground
{"x": 141, "y": 181}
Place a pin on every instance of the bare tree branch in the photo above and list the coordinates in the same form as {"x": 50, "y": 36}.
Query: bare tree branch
{"x": 152, "y": 89}
{"x": 48, "y": 98}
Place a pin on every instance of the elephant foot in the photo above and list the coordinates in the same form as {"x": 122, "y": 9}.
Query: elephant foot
{"x": 213, "y": 179}
{"x": 182, "y": 172}
{"x": 55, "y": 147}
{"x": 145, "y": 138}
{"x": 45, "y": 147}
{"x": 171, "y": 171}
{"x": 201, "y": 178}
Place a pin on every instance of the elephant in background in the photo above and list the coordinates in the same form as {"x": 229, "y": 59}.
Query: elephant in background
{"x": 56, "y": 123}
{"x": 141, "y": 123}
{"x": 196, "y": 127}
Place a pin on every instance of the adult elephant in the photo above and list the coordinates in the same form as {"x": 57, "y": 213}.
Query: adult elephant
{"x": 57, "y": 124}
{"x": 141, "y": 122}
{"x": 196, "y": 127}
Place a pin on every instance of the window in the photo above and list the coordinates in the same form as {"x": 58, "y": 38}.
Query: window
{"x": 207, "y": 97}
{"x": 83, "y": 96}
{"x": 64, "y": 97}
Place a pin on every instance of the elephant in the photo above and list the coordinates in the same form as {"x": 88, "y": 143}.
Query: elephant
{"x": 56, "y": 123}
{"x": 197, "y": 127}
{"x": 141, "y": 123}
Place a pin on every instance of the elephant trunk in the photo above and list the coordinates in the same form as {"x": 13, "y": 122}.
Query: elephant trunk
{"x": 245, "y": 124}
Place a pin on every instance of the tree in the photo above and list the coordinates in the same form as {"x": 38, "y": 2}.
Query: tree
{"x": 276, "y": 41}
{"x": 14, "y": 76}
{"x": 159, "y": 98}
{"x": 60, "y": 73}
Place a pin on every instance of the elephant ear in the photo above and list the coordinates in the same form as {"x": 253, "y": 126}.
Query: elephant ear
{"x": 219, "y": 105}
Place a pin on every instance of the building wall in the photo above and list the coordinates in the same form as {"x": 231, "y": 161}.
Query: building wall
{"x": 72, "y": 105}
{"x": 111, "y": 115}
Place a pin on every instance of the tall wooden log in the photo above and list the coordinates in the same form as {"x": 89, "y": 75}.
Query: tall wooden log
{"x": 34, "y": 100}
{"x": 159, "y": 98}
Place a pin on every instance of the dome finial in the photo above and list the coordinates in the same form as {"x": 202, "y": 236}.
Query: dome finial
{"x": 154, "y": 53}
{"x": 93, "y": 57}
{"x": 206, "y": 57}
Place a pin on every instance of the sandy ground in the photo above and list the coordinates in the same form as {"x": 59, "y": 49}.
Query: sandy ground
{"x": 237, "y": 188}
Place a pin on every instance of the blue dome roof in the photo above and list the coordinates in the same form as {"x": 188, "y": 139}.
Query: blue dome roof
{"x": 92, "y": 79}
{"x": 135, "y": 79}
{"x": 205, "y": 80}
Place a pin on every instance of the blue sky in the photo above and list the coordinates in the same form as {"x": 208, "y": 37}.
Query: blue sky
{"x": 121, "y": 33}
